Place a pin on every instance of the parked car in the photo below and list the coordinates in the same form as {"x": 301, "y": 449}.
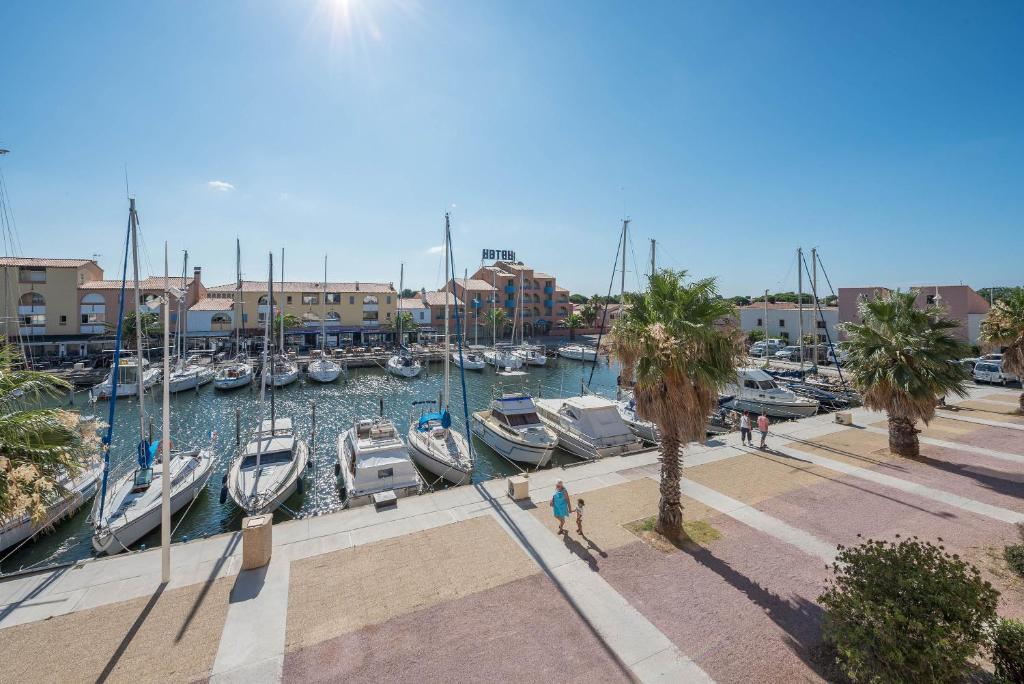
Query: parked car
{"x": 992, "y": 371}
{"x": 765, "y": 347}
{"x": 992, "y": 357}
{"x": 790, "y": 353}
{"x": 969, "y": 363}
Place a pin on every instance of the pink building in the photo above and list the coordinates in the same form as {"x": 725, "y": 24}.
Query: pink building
{"x": 960, "y": 301}
{"x": 544, "y": 303}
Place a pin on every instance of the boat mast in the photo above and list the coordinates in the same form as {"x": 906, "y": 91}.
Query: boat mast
{"x": 654, "y": 246}
{"x": 134, "y": 220}
{"x": 269, "y": 341}
{"x": 281, "y": 348}
{"x": 522, "y": 314}
{"x": 447, "y": 313}
{"x": 238, "y": 297}
{"x": 165, "y": 437}
{"x": 323, "y": 314}
{"x": 181, "y": 313}
{"x": 800, "y": 300}
{"x": 622, "y": 276}
{"x": 476, "y": 312}
{"x": 814, "y": 297}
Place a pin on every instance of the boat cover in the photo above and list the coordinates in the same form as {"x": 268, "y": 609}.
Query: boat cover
{"x": 443, "y": 417}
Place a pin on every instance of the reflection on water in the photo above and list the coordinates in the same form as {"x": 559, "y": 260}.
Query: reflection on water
{"x": 195, "y": 416}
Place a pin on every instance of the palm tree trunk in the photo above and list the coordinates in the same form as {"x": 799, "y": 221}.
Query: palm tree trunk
{"x": 903, "y": 437}
{"x": 670, "y": 508}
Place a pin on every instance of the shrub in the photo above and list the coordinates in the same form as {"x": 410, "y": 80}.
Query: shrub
{"x": 1008, "y": 651}
{"x": 1014, "y": 556}
{"x": 905, "y": 611}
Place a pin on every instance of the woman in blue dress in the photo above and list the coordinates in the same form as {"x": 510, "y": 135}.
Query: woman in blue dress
{"x": 560, "y": 502}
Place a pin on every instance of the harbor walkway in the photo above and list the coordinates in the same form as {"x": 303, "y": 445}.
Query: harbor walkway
{"x": 468, "y": 585}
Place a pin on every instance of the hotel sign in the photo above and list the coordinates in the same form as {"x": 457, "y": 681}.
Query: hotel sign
{"x": 498, "y": 255}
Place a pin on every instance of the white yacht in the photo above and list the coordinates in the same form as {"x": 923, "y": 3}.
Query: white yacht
{"x": 503, "y": 356}
{"x": 647, "y": 430}
{"x": 439, "y": 449}
{"x": 285, "y": 372}
{"x": 127, "y": 379}
{"x": 470, "y": 360}
{"x": 511, "y": 427}
{"x": 269, "y": 469}
{"x": 531, "y": 356}
{"x": 323, "y": 369}
{"x": 77, "y": 491}
{"x": 404, "y": 365}
{"x": 237, "y": 373}
{"x": 578, "y": 352}
{"x": 588, "y": 426}
{"x": 756, "y": 391}
{"x": 131, "y": 509}
{"x": 374, "y": 462}
{"x": 186, "y": 377}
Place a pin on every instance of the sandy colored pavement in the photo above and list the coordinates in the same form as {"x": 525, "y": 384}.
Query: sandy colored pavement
{"x": 170, "y": 636}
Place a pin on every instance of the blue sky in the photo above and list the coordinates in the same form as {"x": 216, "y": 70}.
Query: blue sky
{"x": 891, "y": 136}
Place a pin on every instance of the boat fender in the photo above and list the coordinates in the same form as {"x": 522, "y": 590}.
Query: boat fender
{"x": 337, "y": 470}
{"x": 224, "y": 479}
{"x": 309, "y": 464}
{"x": 301, "y": 486}
{"x": 223, "y": 495}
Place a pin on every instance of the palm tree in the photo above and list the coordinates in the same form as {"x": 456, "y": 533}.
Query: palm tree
{"x": 1004, "y": 326}
{"x": 589, "y": 314}
{"x": 496, "y": 318}
{"x": 150, "y": 326}
{"x": 39, "y": 447}
{"x": 407, "y": 321}
{"x": 289, "y": 320}
{"x": 902, "y": 359}
{"x": 668, "y": 340}
{"x": 572, "y": 321}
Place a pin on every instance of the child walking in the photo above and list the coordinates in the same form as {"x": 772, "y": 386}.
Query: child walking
{"x": 579, "y": 516}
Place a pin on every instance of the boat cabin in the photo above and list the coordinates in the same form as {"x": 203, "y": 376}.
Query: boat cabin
{"x": 515, "y": 410}
{"x": 273, "y": 443}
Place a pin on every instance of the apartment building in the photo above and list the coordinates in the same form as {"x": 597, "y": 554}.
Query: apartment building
{"x": 544, "y": 303}
{"x": 356, "y": 312}
{"x": 961, "y": 302}
{"x": 41, "y": 302}
{"x": 783, "y": 321}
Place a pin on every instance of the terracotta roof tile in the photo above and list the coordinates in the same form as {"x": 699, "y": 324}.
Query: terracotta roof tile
{"x": 305, "y": 286}
{"x": 40, "y": 261}
{"x": 212, "y": 305}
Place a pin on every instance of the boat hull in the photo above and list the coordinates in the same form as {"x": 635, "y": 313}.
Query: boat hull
{"x": 513, "y": 450}
{"x": 225, "y": 383}
{"x": 578, "y": 354}
{"x": 80, "y": 490}
{"x": 435, "y": 464}
{"x": 289, "y": 483}
{"x": 281, "y": 379}
{"x": 773, "y": 409}
{"x": 468, "y": 364}
{"x": 189, "y": 381}
{"x": 103, "y": 390}
{"x": 397, "y": 369}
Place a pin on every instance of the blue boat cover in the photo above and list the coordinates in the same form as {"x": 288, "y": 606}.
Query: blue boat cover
{"x": 147, "y": 453}
{"x": 444, "y": 417}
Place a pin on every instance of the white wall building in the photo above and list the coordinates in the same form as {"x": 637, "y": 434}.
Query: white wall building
{"x": 420, "y": 312}
{"x": 210, "y": 318}
{"x": 783, "y": 321}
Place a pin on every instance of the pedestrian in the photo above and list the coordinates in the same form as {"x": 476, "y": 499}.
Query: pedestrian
{"x": 745, "y": 437}
{"x": 762, "y": 426}
{"x": 561, "y": 504}
{"x": 579, "y": 516}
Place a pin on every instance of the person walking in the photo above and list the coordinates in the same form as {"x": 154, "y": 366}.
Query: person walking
{"x": 561, "y": 504}
{"x": 762, "y": 427}
{"x": 579, "y": 517}
{"x": 745, "y": 437}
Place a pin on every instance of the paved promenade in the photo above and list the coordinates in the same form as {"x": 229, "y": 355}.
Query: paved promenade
{"x": 468, "y": 585}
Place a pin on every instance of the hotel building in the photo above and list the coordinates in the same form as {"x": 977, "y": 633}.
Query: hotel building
{"x": 498, "y": 286}
{"x": 961, "y": 302}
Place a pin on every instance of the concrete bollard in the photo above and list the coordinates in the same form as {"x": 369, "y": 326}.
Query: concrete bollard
{"x": 518, "y": 488}
{"x": 844, "y": 417}
{"x": 257, "y": 541}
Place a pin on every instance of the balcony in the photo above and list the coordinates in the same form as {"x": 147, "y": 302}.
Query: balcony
{"x": 510, "y": 303}
{"x": 477, "y": 303}
{"x": 549, "y": 289}
{"x": 510, "y": 289}
{"x": 548, "y": 303}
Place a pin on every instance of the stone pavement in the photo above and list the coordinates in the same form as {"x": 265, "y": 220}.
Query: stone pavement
{"x": 467, "y": 585}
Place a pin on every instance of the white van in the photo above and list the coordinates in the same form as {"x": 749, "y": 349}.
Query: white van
{"x": 992, "y": 371}
{"x": 765, "y": 347}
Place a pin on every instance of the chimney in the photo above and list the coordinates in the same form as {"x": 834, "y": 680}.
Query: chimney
{"x": 357, "y": 286}
{"x": 197, "y": 275}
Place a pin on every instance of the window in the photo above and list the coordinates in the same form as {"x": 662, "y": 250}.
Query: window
{"x": 370, "y": 316}
{"x": 261, "y": 317}
{"x": 369, "y": 299}
{"x": 31, "y": 274}
{"x": 288, "y": 299}
{"x": 333, "y": 316}
{"x": 90, "y": 318}
{"x": 32, "y": 299}
{"x": 63, "y": 320}
{"x": 782, "y": 322}
{"x": 34, "y": 319}
{"x": 263, "y": 301}
{"x": 310, "y": 298}
{"x": 760, "y": 322}
{"x": 245, "y": 318}
{"x": 385, "y": 473}
{"x": 930, "y": 299}
{"x": 332, "y": 298}
{"x": 389, "y": 299}
{"x": 352, "y": 299}
{"x": 820, "y": 325}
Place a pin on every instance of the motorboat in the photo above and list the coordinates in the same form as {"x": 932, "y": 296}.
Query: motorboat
{"x": 323, "y": 369}
{"x": 132, "y": 506}
{"x": 825, "y": 397}
{"x": 512, "y": 428}
{"x": 404, "y": 365}
{"x": 269, "y": 469}
{"x": 439, "y": 449}
{"x": 578, "y": 352}
{"x": 531, "y": 356}
{"x": 469, "y": 360}
{"x": 285, "y": 372}
{"x": 127, "y": 379}
{"x": 503, "y": 356}
{"x": 375, "y": 463}
{"x": 588, "y": 426}
{"x": 76, "y": 491}
{"x": 186, "y": 377}
{"x": 235, "y": 374}
{"x": 647, "y": 430}
{"x": 757, "y": 392}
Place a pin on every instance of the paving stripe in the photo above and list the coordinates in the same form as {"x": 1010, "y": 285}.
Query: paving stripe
{"x": 637, "y": 644}
{"x": 955, "y": 500}
{"x": 981, "y": 451}
{"x": 980, "y": 421}
{"x": 252, "y": 641}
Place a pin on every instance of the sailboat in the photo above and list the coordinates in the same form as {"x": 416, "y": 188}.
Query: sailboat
{"x": 185, "y": 375}
{"x": 238, "y": 372}
{"x": 131, "y": 507}
{"x": 323, "y": 369}
{"x": 434, "y": 444}
{"x": 270, "y": 466}
{"x": 403, "y": 364}
{"x": 283, "y": 371}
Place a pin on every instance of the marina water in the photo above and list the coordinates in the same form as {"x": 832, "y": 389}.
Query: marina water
{"x": 195, "y": 415}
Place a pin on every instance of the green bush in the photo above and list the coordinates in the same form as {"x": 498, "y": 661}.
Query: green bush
{"x": 905, "y": 611}
{"x": 1014, "y": 556}
{"x": 1008, "y": 651}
